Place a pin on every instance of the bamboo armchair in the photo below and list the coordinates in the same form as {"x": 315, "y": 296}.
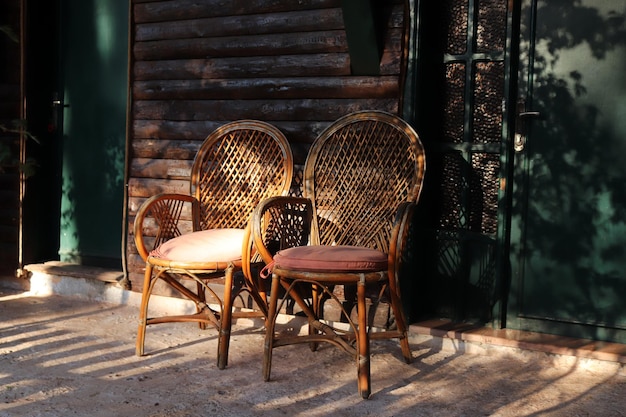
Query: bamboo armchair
{"x": 238, "y": 165}
{"x": 362, "y": 179}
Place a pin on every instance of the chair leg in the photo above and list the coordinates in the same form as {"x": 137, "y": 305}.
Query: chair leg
{"x": 143, "y": 311}
{"x": 225, "y": 320}
{"x": 258, "y": 288}
{"x": 363, "y": 343}
{"x": 269, "y": 328}
{"x": 349, "y": 293}
{"x": 318, "y": 312}
{"x": 201, "y": 300}
{"x": 398, "y": 313}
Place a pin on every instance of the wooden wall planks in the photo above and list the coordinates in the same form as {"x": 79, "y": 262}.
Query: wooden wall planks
{"x": 197, "y": 64}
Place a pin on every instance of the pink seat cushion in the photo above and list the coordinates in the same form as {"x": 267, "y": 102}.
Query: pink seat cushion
{"x": 216, "y": 245}
{"x": 331, "y": 259}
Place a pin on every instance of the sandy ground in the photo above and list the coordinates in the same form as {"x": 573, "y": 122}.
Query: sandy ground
{"x": 61, "y": 356}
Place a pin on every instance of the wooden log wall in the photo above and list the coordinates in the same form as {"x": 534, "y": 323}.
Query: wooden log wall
{"x": 197, "y": 64}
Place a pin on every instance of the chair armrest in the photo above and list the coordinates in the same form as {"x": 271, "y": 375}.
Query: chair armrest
{"x": 279, "y": 223}
{"x": 166, "y": 211}
{"x": 276, "y": 223}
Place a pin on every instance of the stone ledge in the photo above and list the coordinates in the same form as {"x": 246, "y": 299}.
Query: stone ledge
{"x": 58, "y": 268}
{"x": 94, "y": 284}
{"x": 538, "y": 342}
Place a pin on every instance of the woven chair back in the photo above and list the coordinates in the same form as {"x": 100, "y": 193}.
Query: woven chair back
{"x": 237, "y": 166}
{"x": 357, "y": 173}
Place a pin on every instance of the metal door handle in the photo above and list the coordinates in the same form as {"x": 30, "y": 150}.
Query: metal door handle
{"x": 521, "y": 128}
{"x": 533, "y": 114}
{"x": 57, "y": 112}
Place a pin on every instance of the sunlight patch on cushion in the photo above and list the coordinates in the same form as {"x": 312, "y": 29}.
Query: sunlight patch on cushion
{"x": 216, "y": 245}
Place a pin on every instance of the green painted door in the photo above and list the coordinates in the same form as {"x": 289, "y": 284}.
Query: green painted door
{"x": 93, "y": 93}
{"x": 568, "y": 235}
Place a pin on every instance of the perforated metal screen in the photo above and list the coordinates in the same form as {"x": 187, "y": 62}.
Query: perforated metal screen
{"x": 461, "y": 116}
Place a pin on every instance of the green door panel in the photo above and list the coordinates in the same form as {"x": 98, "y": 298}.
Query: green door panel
{"x": 94, "y": 64}
{"x": 569, "y": 220}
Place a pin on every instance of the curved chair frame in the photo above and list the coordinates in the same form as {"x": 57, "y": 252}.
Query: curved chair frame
{"x": 237, "y": 166}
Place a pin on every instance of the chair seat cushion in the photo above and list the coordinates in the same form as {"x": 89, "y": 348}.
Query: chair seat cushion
{"x": 215, "y": 245}
{"x": 322, "y": 258}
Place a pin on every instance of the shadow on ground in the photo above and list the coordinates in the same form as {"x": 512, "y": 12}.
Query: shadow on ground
{"x": 62, "y": 356}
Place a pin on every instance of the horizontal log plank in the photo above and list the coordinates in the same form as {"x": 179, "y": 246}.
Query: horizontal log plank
{"x": 186, "y": 9}
{"x": 234, "y": 46}
{"x": 390, "y": 64}
{"x": 135, "y": 203}
{"x": 165, "y": 149}
{"x": 160, "y": 168}
{"x": 159, "y": 134}
{"x": 259, "y": 24}
{"x": 175, "y": 130}
{"x": 300, "y": 134}
{"x": 307, "y": 109}
{"x": 245, "y": 67}
{"x": 150, "y": 228}
{"x": 268, "y": 88}
{"x": 315, "y": 65}
{"x": 321, "y": 62}
{"x": 136, "y": 267}
{"x": 147, "y": 187}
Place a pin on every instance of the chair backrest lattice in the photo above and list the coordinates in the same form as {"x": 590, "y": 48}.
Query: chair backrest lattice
{"x": 168, "y": 215}
{"x": 286, "y": 225}
{"x": 359, "y": 170}
{"x": 239, "y": 165}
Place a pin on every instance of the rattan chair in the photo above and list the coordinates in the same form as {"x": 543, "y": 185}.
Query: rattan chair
{"x": 362, "y": 180}
{"x": 238, "y": 165}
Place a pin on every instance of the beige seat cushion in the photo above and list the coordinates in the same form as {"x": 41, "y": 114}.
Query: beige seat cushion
{"x": 321, "y": 258}
{"x": 216, "y": 245}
